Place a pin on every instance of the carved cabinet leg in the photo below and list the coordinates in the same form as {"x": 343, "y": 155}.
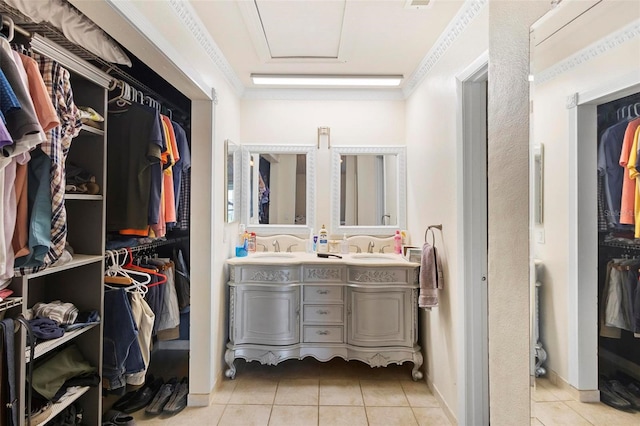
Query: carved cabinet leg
{"x": 416, "y": 374}
{"x": 230, "y": 357}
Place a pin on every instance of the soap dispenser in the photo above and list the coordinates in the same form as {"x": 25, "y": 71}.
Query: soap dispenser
{"x": 344, "y": 245}
{"x": 397, "y": 240}
{"x": 323, "y": 240}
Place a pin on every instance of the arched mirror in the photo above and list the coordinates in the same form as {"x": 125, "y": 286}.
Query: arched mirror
{"x": 368, "y": 190}
{"x": 278, "y": 188}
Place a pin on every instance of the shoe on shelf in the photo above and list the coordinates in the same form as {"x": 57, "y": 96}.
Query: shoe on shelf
{"x": 143, "y": 396}
{"x": 624, "y": 393}
{"x": 117, "y": 418}
{"x": 612, "y": 399}
{"x": 162, "y": 397}
{"x": 178, "y": 399}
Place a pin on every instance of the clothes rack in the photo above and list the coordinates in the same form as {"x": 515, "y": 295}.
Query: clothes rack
{"x": 148, "y": 246}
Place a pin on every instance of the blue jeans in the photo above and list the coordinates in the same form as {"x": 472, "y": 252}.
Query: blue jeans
{"x": 121, "y": 351}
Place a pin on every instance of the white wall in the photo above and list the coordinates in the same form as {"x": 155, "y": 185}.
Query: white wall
{"x": 431, "y": 195}
{"x": 295, "y": 122}
{"x": 551, "y": 128}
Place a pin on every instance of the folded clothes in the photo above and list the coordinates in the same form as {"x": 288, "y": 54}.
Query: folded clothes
{"x": 83, "y": 319}
{"x": 64, "y": 313}
{"x": 45, "y": 329}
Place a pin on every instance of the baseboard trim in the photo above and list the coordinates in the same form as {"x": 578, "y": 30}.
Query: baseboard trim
{"x": 199, "y": 399}
{"x": 584, "y": 395}
{"x": 443, "y": 404}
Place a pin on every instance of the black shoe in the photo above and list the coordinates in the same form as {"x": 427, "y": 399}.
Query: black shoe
{"x": 162, "y": 397}
{"x": 178, "y": 399}
{"x": 143, "y": 396}
{"x": 612, "y": 399}
{"x": 624, "y": 393}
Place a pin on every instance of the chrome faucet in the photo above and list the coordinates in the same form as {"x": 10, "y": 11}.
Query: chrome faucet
{"x": 358, "y": 249}
{"x": 383, "y": 247}
{"x": 370, "y": 247}
{"x": 290, "y": 247}
{"x": 264, "y": 247}
{"x": 276, "y": 246}
{"x": 388, "y": 216}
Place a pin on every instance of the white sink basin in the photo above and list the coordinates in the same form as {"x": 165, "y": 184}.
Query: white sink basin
{"x": 273, "y": 255}
{"x": 375, "y": 256}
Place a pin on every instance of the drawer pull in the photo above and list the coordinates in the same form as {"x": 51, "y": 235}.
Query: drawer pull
{"x": 322, "y": 332}
{"x": 321, "y": 312}
{"x": 322, "y": 291}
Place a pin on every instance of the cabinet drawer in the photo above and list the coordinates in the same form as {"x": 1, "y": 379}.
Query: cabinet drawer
{"x": 324, "y": 314}
{"x": 320, "y": 334}
{"x": 323, "y": 294}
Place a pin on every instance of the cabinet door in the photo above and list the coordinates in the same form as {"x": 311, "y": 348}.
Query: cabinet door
{"x": 267, "y": 315}
{"x": 379, "y": 317}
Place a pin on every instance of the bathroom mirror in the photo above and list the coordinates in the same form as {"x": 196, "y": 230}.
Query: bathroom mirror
{"x": 368, "y": 190}
{"x": 278, "y": 188}
{"x": 232, "y": 166}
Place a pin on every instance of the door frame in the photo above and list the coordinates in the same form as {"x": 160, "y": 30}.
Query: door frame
{"x": 471, "y": 194}
{"x": 582, "y": 276}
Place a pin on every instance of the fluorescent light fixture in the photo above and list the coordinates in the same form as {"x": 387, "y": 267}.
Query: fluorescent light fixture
{"x": 326, "y": 80}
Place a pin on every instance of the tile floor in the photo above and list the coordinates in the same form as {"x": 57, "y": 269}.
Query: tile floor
{"x": 551, "y": 406}
{"x": 308, "y": 392}
{"x": 336, "y": 393}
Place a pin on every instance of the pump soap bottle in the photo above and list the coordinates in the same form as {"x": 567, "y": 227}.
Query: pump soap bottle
{"x": 323, "y": 240}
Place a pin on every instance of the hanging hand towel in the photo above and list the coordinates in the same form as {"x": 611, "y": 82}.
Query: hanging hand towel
{"x": 431, "y": 278}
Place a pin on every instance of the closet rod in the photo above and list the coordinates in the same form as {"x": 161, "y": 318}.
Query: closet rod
{"x": 147, "y": 246}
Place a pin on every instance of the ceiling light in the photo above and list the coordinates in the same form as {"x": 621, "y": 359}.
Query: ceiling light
{"x": 326, "y": 80}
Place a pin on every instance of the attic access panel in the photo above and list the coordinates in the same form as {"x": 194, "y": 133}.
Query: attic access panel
{"x": 306, "y": 29}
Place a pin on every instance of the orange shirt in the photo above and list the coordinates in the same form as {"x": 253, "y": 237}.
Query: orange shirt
{"x": 628, "y": 184}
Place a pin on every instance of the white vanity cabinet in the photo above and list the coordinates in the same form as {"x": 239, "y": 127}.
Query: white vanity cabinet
{"x": 297, "y": 306}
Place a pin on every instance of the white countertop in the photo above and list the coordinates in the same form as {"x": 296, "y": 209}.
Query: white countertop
{"x": 296, "y": 258}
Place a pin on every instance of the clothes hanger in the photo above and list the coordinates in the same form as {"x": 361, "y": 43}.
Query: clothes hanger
{"x": 139, "y": 279}
{"x": 133, "y": 267}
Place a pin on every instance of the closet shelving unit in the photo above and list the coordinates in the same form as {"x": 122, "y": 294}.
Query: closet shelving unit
{"x": 79, "y": 281}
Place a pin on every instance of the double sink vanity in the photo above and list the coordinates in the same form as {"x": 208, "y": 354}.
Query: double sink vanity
{"x": 285, "y": 303}
{"x": 362, "y": 306}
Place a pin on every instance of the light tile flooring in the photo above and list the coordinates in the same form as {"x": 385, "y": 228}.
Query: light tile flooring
{"x": 309, "y": 392}
{"x": 551, "y": 406}
{"x": 336, "y": 393}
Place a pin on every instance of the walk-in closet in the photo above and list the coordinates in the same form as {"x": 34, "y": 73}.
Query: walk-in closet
{"x": 619, "y": 252}
{"x": 94, "y": 248}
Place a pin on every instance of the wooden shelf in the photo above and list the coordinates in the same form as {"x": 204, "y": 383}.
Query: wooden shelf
{"x": 67, "y": 401}
{"x": 73, "y": 196}
{"x": 89, "y": 129}
{"x": 78, "y": 260}
{"x": 49, "y": 345}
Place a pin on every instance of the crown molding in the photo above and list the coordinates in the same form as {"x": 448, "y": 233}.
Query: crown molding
{"x": 192, "y": 22}
{"x": 139, "y": 21}
{"x": 464, "y": 17}
{"x": 600, "y": 47}
{"x": 324, "y": 94}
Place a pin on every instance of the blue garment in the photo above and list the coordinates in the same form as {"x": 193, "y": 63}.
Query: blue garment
{"x": 8, "y": 100}
{"x": 609, "y": 166}
{"x": 39, "y": 202}
{"x": 183, "y": 163}
{"x": 121, "y": 351}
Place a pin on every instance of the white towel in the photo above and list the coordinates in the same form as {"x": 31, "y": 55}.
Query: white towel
{"x": 431, "y": 277}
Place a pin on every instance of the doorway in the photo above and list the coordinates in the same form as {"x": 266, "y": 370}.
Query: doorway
{"x": 583, "y": 243}
{"x": 473, "y": 361}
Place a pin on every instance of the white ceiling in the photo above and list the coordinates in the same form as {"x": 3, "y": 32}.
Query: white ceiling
{"x": 324, "y": 36}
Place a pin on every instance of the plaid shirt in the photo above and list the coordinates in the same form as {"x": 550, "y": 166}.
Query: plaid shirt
{"x": 62, "y": 312}
{"x": 57, "y": 81}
